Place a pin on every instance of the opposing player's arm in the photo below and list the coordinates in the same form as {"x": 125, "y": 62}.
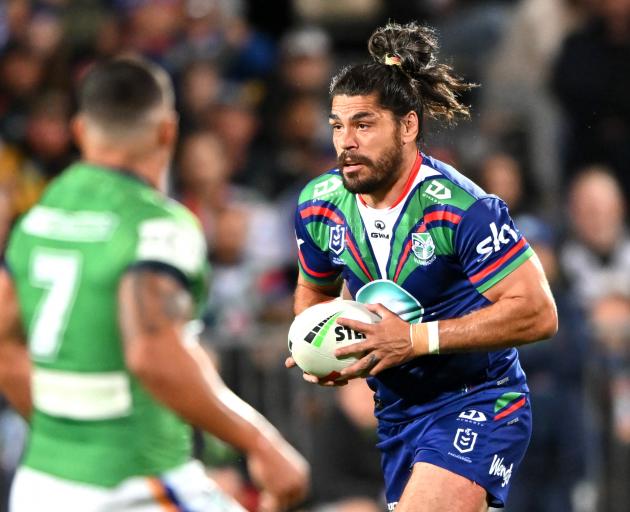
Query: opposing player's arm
{"x": 15, "y": 366}
{"x": 154, "y": 308}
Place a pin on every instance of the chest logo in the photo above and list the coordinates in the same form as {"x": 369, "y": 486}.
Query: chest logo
{"x": 337, "y": 241}
{"x": 379, "y": 224}
{"x": 438, "y": 191}
{"x": 423, "y": 248}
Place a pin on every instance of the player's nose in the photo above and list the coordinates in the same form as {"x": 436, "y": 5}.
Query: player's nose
{"x": 349, "y": 140}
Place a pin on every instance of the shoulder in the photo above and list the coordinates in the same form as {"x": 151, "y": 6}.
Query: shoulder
{"x": 442, "y": 185}
{"x": 168, "y": 232}
{"x": 326, "y": 187}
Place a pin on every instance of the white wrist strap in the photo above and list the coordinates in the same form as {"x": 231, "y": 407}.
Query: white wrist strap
{"x": 433, "y": 338}
{"x": 433, "y": 333}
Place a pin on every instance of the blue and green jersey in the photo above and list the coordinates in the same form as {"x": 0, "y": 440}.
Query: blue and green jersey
{"x": 430, "y": 256}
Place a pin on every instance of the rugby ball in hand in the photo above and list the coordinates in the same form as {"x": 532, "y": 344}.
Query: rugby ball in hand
{"x": 315, "y": 334}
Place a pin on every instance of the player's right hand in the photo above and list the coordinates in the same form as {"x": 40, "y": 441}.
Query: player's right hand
{"x": 290, "y": 363}
{"x": 280, "y": 471}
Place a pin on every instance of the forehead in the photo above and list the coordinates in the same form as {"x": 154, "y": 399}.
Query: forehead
{"x": 344, "y": 106}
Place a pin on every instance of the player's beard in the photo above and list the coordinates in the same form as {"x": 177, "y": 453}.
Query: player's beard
{"x": 382, "y": 173}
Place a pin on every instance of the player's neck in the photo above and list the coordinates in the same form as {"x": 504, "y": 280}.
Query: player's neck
{"x": 387, "y": 197}
{"x": 147, "y": 168}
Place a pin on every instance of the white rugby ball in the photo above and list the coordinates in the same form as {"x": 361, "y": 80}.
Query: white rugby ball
{"x": 315, "y": 334}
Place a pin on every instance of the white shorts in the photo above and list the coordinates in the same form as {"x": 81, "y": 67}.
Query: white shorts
{"x": 186, "y": 489}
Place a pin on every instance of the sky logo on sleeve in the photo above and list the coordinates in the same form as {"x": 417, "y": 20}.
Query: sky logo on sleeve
{"x": 496, "y": 240}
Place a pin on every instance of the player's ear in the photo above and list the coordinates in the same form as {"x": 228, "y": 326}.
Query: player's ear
{"x": 78, "y": 129}
{"x": 167, "y": 130}
{"x": 410, "y": 127}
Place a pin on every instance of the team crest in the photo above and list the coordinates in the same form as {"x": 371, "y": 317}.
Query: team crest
{"x": 423, "y": 248}
{"x": 337, "y": 242}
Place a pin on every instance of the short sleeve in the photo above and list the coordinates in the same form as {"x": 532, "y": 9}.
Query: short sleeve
{"x": 177, "y": 246}
{"x": 488, "y": 244}
{"x": 314, "y": 263}
{"x": 172, "y": 242}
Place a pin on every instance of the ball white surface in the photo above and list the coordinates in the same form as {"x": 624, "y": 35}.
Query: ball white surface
{"x": 314, "y": 336}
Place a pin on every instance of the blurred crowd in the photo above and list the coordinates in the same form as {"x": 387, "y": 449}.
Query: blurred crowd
{"x": 550, "y": 134}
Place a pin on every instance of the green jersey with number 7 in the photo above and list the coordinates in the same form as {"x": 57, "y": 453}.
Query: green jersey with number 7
{"x": 66, "y": 256}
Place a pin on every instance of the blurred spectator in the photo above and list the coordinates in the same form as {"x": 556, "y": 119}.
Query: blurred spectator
{"x": 20, "y": 186}
{"x": 303, "y": 75}
{"x": 21, "y": 76}
{"x": 243, "y": 234}
{"x": 518, "y": 110}
{"x": 345, "y": 461}
{"x": 247, "y": 279}
{"x": 596, "y": 258}
{"x": 302, "y": 148}
{"x": 611, "y": 319}
{"x": 48, "y": 139}
{"x": 591, "y": 80}
{"x": 305, "y": 60}
{"x": 202, "y": 179}
{"x": 349, "y": 20}
{"x": 297, "y": 110}
{"x": 14, "y": 21}
{"x": 13, "y": 433}
{"x": 200, "y": 84}
{"x": 555, "y": 462}
{"x": 501, "y": 174}
{"x": 236, "y": 121}
{"x": 152, "y": 26}
{"x": 45, "y": 32}
{"x": 218, "y": 30}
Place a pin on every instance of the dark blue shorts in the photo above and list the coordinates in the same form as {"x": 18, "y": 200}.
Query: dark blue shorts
{"x": 483, "y": 436}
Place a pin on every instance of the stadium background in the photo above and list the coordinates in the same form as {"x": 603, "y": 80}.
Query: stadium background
{"x": 550, "y": 133}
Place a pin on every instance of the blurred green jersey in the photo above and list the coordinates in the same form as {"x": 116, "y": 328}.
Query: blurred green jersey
{"x": 93, "y": 422}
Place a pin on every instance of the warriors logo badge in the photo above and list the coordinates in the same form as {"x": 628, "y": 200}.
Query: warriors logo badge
{"x": 423, "y": 248}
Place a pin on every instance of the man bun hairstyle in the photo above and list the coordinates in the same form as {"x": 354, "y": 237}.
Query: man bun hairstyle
{"x": 406, "y": 75}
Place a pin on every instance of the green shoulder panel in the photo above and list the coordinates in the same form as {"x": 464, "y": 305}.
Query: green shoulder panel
{"x": 326, "y": 187}
{"x": 442, "y": 191}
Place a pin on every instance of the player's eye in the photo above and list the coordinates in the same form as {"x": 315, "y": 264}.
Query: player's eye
{"x": 335, "y": 127}
{"x": 363, "y": 126}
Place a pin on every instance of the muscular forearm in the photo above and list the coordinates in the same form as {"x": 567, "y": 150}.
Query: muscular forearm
{"x": 185, "y": 381}
{"x": 509, "y": 322}
{"x": 307, "y": 295}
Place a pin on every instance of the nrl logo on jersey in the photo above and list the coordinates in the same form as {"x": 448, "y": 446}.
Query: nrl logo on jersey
{"x": 337, "y": 241}
{"x": 465, "y": 439}
{"x": 423, "y": 248}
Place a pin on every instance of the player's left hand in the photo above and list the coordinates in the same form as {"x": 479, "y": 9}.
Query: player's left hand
{"x": 387, "y": 344}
